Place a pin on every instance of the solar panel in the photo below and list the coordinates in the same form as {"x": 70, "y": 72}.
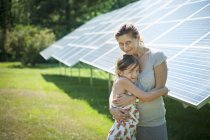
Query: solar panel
{"x": 186, "y": 33}
{"x": 180, "y": 28}
{"x": 189, "y": 76}
{"x": 185, "y": 11}
{"x": 176, "y": 34}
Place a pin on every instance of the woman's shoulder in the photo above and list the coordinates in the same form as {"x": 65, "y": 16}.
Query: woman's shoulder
{"x": 157, "y": 56}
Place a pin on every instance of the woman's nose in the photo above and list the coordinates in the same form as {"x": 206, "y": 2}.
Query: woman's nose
{"x": 125, "y": 47}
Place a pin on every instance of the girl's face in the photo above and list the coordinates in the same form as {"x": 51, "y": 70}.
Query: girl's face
{"x": 128, "y": 44}
{"x": 130, "y": 73}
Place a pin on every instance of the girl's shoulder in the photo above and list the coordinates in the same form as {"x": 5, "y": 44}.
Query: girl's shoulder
{"x": 121, "y": 80}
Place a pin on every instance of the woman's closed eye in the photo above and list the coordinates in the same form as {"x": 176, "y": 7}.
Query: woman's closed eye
{"x": 128, "y": 43}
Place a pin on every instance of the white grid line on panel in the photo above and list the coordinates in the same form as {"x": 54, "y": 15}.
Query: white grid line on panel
{"x": 188, "y": 99}
{"x": 196, "y": 1}
{"x": 200, "y": 38}
{"x": 204, "y": 70}
{"x": 193, "y": 77}
{"x": 104, "y": 54}
{"x": 178, "y": 24}
{"x": 190, "y": 89}
{"x": 190, "y": 72}
{"x": 155, "y": 10}
{"x": 180, "y": 98}
{"x": 182, "y": 51}
{"x": 68, "y": 58}
{"x": 185, "y": 59}
{"x": 158, "y": 20}
{"x": 92, "y": 64}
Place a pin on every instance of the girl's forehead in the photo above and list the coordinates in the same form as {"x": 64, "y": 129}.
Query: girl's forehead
{"x": 133, "y": 67}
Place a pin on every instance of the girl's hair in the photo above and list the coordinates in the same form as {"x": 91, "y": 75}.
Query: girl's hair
{"x": 126, "y": 61}
{"x": 127, "y": 29}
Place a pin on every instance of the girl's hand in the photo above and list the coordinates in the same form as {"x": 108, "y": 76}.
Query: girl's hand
{"x": 123, "y": 100}
{"x": 119, "y": 114}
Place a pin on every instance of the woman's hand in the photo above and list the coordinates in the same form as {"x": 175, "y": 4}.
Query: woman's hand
{"x": 120, "y": 114}
{"x": 167, "y": 90}
{"x": 123, "y": 100}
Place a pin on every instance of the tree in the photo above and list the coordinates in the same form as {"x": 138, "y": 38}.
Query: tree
{"x": 25, "y": 43}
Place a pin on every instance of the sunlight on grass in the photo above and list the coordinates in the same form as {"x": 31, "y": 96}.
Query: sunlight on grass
{"x": 33, "y": 108}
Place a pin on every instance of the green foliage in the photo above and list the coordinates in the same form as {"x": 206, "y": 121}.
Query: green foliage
{"x": 61, "y": 16}
{"x": 25, "y": 43}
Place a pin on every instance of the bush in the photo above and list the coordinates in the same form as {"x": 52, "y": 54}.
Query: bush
{"x": 25, "y": 42}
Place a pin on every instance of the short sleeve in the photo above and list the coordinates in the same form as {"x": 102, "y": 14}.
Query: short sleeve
{"x": 159, "y": 57}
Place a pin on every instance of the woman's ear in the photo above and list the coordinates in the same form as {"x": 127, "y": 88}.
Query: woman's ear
{"x": 138, "y": 37}
{"x": 119, "y": 73}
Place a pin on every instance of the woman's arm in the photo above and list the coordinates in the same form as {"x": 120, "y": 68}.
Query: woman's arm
{"x": 143, "y": 96}
{"x": 161, "y": 73}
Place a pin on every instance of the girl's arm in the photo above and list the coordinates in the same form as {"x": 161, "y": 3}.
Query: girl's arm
{"x": 118, "y": 113}
{"x": 143, "y": 96}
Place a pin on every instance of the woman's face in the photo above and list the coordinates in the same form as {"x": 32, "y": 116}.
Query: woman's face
{"x": 127, "y": 44}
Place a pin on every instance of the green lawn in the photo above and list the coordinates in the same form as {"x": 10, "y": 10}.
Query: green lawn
{"x": 40, "y": 103}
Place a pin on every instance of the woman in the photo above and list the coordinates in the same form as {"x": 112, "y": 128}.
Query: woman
{"x": 152, "y": 123}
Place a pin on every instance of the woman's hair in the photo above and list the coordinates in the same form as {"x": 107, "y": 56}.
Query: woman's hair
{"x": 127, "y": 29}
{"x": 126, "y": 61}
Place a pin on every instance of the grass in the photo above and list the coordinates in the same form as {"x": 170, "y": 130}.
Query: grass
{"x": 40, "y": 103}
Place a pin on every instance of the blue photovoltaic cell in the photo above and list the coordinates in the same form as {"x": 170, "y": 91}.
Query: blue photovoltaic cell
{"x": 186, "y": 33}
{"x": 204, "y": 42}
{"x": 185, "y": 11}
{"x": 98, "y": 52}
{"x": 47, "y": 53}
{"x": 62, "y": 54}
{"x": 56, "y": 47}
{"x": 101, "y": 40}
{"x": 155, "y": 16}
{"x": 156, "y": 30}
{"x": 108, "y": 60}
{"x": 80, "y": 40}
{"x": 177, "y": 3}
{"x": 189, "y": 75}
{"x": 203, "y": 13}
{"x": 168, "y": 50}
{"x": 73, "y": 58}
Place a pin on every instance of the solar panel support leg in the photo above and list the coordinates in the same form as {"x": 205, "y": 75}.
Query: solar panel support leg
{"x": 65, "y": 69}
{"x": 109, "y": 82}
{"x": 79, "y": 75}
{"x": 91, "y": 76}
{"x": 60, "y": 68}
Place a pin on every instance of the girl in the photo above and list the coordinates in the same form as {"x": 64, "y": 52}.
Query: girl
{"x": 127, "y": 71}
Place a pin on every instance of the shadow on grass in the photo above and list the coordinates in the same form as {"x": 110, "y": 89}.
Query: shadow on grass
{"x": 187, "y": 123}
{"x": 183, "y": 123}
{"x": 97, "y": 95}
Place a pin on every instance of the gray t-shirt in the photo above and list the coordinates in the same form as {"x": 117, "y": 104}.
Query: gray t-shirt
{"x": 151, "y": 113}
